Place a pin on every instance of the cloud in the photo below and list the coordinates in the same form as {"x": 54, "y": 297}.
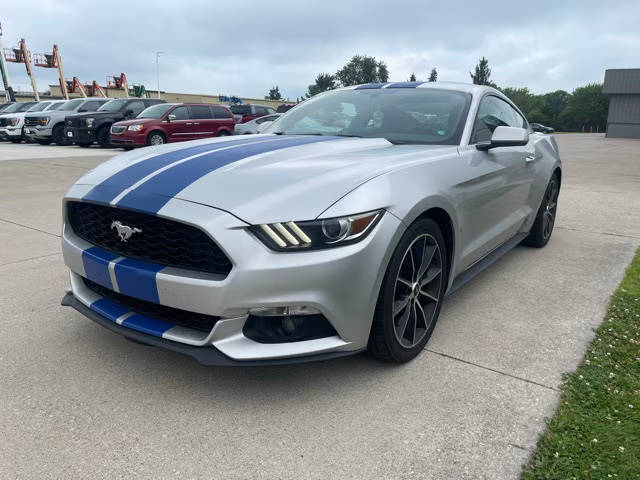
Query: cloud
{"x": 244, "y": 48}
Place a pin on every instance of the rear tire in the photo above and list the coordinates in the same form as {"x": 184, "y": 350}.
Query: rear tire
{"x": 15, "y": 140}
{"x": 156, "y": 138}
{"x": 542, "y": 228}
{"x": 411, "y": 294}
{"x": 84, "y": 144}
{"x": 223, "y": 133}
{"x": 43, "y": 142}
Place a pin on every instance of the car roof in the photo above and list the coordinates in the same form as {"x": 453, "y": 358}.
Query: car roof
{"x": 457, "y": 86}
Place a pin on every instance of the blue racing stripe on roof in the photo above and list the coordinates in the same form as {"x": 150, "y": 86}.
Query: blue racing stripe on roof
{"x": 145, "y": 324}
{"x": 96, "y": 265}
{"x": 110, "y": 188}
{"x": 138, "y": 279}
{"x": 154, "y": 194}
{"x": 371, "y": 85}
{"x": 108, "y": 309}
{"x": 405, "y": 85}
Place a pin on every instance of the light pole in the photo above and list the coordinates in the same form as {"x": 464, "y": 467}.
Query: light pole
{"x": 158, "y": 70}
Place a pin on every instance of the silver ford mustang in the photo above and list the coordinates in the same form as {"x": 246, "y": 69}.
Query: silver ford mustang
{"x": 340, "y": 229}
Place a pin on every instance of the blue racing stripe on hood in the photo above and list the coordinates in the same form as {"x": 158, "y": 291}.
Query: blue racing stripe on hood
{"x": 96, "y": 265}
{"x": 405, "y": 85}
{"x": 154, "y": 194}
{"x": 110, "y": 188}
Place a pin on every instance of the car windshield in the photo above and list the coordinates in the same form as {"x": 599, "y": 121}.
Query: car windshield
{"x": 156, "y": 111}
{"x": 71, "y": 105}
{"x": 38, "y": 107}
{"x": 400, "y": 115}
{"x": 54, "y": 106}
{"x": 112, "y": 105}
{"x": 18, "y": 107}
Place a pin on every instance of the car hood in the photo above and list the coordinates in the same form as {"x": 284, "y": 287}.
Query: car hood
{"x": 259, "y": 179}
{"x": 137, "y": 121}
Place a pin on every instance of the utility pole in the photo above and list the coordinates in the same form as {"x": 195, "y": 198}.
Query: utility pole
{"x": 5, "y": 73}
{"x": 158, "y": 70}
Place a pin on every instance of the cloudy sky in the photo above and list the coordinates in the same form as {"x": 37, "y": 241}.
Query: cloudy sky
{"x": 244, "y": 47}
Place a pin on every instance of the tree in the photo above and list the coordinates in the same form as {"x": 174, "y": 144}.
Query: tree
{"x": 324, "y": 82}
{"x": 412, "y": 78}
{"x": 586, "y": 108}
{"x": 274, "y": 94}
{"x": 482, "y": 75}
{"x": 433, "y": 76}
{"x": 362, "y": 69}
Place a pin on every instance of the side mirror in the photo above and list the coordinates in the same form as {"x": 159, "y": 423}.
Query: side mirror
{"x": 505, "y": 137}
{"x": 171, "y": 118}
{"x": 128, "y": 113}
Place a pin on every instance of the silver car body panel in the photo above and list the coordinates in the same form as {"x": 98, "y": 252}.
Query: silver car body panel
{"x": 490, "y": 198}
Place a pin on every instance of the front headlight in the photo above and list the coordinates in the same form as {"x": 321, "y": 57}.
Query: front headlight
{"x": 89, "y": 121}
{"x": 135, "y": 128}
{"x": 14, "y": 121}
{"x": 317, "y": 234}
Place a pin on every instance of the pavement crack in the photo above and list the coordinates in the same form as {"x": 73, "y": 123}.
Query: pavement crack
{"x": 599, "y": 233}
{"x": 30, "y": 258}
{"x": 30, "y": 228}
{"x": 519, "y": 447}
{"x": 451, "y": 357}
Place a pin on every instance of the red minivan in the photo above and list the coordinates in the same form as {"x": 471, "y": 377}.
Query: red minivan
{"x": 173, "y": 122}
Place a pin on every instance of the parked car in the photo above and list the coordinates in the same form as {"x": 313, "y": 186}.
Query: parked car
{"x": 254, "y": 126}
{"x": 285, "y": 107}
{"x": 87, "y": 128}
{"x": 173, "y": 122}
{"x": 12, "y": 125}
{"x": 320, "y": 240}
{"x": 14, "y": 109}
{"x": 247, "y": 111}
{"x": 538, "y": 127}
{"x": 5, "y": 105}
{"x": 47, "y": 127}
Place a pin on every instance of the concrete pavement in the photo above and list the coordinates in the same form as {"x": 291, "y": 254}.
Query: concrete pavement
{"x": 80, "y": 402}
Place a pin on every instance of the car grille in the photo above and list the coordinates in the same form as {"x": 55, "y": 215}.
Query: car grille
{"x": 4, "y": 122}
{"x": 73, "y": 122}
{"x": 118, "y": 129}
{"x": 184, "y": 318}
{"x": 162, "y": 241}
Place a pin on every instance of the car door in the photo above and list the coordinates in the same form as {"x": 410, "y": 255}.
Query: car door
{"x": 203, "y": 121}
{"x": 495, "y": 196}
{"x": 179, "y": 126}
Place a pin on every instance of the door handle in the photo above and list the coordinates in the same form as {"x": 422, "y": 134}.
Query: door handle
{"x": 196, "y": 123}
{"x": 529, "y": 158}
{"x": 189, "y": 123}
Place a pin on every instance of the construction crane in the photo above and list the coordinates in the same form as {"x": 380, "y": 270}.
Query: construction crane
{"x": 21, "y": 54}
{"x": 75, "y": 85}
{"x": 95, "y": 90}
{"x": 52, "y": 60}
{"x": 5, "y": 73}
{"x": 119, "y": 81}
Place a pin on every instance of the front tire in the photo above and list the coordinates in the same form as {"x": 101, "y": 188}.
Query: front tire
{"x": 103, "y": 137}
{"x": 411, "y": 294}
{"x": 84, "y": 144}
{"x": 546, "y": 217}
{"x": 58, "y": 135}
{"x": 156, "y": 138}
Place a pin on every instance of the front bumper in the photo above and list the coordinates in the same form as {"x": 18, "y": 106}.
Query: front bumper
{"x": 80, "y": 134}
{"x": 129, "y": 139}
{"x": 38, "y": 132}
{"x": 341, "y": 283}
{"x": 10, "y": 133}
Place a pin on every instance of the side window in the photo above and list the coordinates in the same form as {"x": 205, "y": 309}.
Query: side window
{"x": 92, "y": 106}
{"x": 136, "y": 107}
{"x": 200, "y": 111}
{"x": 181, "y": 113}
{"x": 221, "y": 112}
{"x": 261, "y": 110}
{"x": 270, "y": 111}
{"x": 492, "y": 113}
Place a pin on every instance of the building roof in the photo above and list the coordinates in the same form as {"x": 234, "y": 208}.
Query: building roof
{"x": 622, "y": 81}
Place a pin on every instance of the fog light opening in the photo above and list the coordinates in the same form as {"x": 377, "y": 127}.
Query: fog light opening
{"x": 286, "y": 328}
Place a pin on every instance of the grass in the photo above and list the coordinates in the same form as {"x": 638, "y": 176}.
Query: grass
{"x": 595, "y": 433}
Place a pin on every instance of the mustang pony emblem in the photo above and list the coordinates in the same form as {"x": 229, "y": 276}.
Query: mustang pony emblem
{"x": 124, "y": 231}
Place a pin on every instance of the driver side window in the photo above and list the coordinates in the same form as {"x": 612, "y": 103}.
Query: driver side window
{"x": 494, "y": 112}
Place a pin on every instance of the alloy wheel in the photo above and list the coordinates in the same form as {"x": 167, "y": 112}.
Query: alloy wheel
{"x": 550, "y": 205}
{"x": 156, "y": 140}
{"x": 417, "y": 290}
